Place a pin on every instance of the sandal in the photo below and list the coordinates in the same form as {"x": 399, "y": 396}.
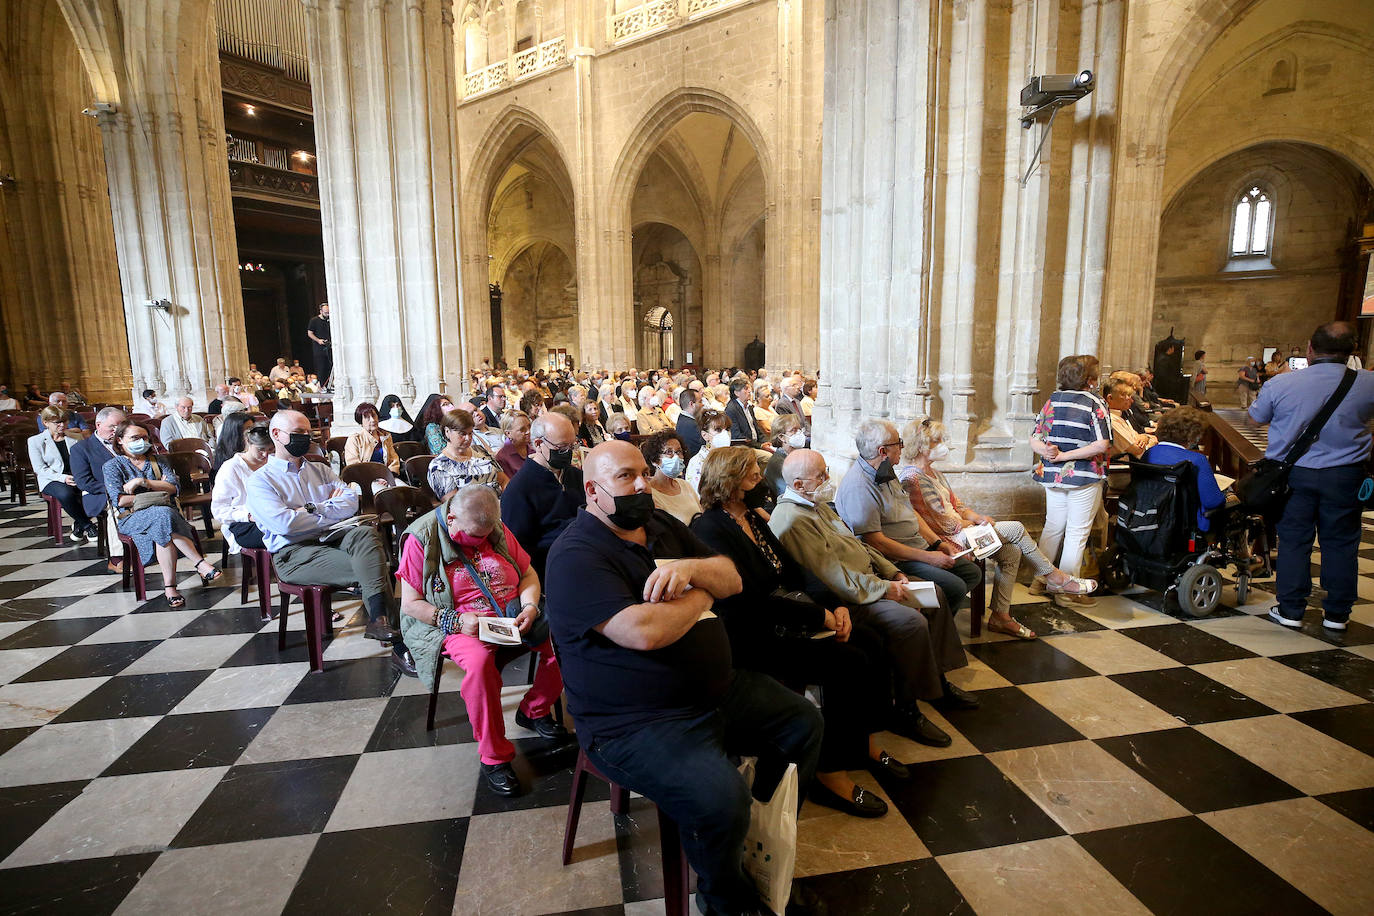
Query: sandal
{"x": 1075, "y": 586}
{"x": 211, "y": 576}
{"x": 175, "y": 602}
{"x": 1017, "y": 629}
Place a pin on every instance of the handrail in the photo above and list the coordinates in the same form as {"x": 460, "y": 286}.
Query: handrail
{"x": 1228, "y": 449}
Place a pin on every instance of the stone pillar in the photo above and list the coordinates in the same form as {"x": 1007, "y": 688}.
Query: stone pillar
{"x": 157, "y": 65}
{"x": 380, "y": 70}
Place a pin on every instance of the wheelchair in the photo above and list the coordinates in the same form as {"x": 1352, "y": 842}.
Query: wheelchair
{"x": 1159, "y": 545}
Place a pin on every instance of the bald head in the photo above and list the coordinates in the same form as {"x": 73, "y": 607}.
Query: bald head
{"x": 284, "y": 425}
{"x": 803, "y": 470}
{"x": 553, "y": 428}
{"x": 601, "y": 462}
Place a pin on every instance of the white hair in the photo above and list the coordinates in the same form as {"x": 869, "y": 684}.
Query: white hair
{"x": 476, "y": 505}
{"x": 871, "y": 435}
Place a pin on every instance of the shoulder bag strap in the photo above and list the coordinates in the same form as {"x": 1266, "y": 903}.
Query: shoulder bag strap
{"x": 1314, "y": 428}
{"x": 481, "y": 583}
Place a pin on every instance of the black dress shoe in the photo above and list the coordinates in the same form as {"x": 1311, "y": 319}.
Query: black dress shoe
{"x": 889, "y": 765}
{"x": 544, "y": 727}
{"x": 956, "y": 698}
{"x": 918, "y": 728}
{"x": 501, "y": 778}
{"x": 861, "y": 803}
{"x": 404, "y": 664}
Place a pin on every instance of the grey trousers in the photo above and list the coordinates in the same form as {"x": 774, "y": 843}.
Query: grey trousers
{"x": 359, "y": 559}
{"x": 922, "y": 643}
{"x": 1016, "y": 543}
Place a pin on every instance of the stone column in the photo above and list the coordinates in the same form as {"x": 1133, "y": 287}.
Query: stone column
{"x": 379, "y": 68}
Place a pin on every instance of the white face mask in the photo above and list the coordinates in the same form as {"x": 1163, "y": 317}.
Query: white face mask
{"x": 939, "y": 452}
{"x": 797, "y": 440}
{"x": 720, "y": 439}
{"x": 824, "y": 493}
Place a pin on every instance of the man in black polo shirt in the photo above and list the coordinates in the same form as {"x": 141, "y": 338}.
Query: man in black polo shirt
{"x": 544, "y": 495}
{"x": 647, "y": 670}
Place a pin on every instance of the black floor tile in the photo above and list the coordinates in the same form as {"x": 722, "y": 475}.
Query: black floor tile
{"x": 224, "y": 622}
{"x": 1190, "y": 696}
{"x": 84, "y": 887}
{"x": 15, "y": 589}
{"x": 1182, "y": 865}
{"x": 23, "y": 809}
{"x": 638, "y": 847}
{"x": 907, "y": 887}
{"x": 197, "y": 597}
{"x": 66, "y": 632}
{"x": 1195, "y": 771}
{"x": 1352, "y": 724}
{"x": 967, "y": 803}
{"x": 1346, "y": 670}
{"x": 1029, "y": 662}
{"x": 263, "y": 800}
{"x": 1358, "y": 805}
{"x": 200, "y": 739}
{"x": 410, "y": 868}
{"x": 9, "y": 737}
{"x": 1046, "y": 618}
{"x": 402, "y": 724}
{"x": 261, "y": 649}
{"x": 95, "y": 660}
{"x": 1187, "y": 644}
{"x": 545, "y": 771}
{"x": 134, "y": 695}
{"x": 347, "y": 679}
{"x": 1007, "y": 718}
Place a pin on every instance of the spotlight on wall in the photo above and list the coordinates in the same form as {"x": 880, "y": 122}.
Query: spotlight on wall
{"x": 250, "y": 110}
{"x": 6, "y": 181}
{"x": 98, "y": 109}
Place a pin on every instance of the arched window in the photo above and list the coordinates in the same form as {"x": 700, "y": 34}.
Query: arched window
{"x": 1252, "y": 228}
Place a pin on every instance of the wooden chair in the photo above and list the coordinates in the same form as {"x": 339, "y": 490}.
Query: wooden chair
{"x": 190, "y": 444}
{"x": 408, "y": 450}
{"x": 417, "y": 472}
{"x": 365, "y": 473}
{"x": 335, "y": 447}
{"x": 397, "y": 507}
{"x": 14, "y": 462}
{"x": 193, "y": 480}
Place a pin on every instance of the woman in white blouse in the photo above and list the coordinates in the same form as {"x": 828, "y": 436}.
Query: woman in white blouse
{"x": 229, "y": 504}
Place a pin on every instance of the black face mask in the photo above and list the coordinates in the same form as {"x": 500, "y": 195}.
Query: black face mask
{"x": 632, "y": 511}
{"x": 298, "y": 444}
{"x": 885, "y": 472}
{"x": 560, "y": 458}
{"x": 756, "y": 498}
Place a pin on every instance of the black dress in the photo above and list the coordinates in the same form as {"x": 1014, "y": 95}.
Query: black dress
{"x": 766, "y": 630}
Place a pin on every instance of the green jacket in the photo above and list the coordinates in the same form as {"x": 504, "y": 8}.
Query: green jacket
{"x": 818, "y": 539}
{"x": 425, "y": 642}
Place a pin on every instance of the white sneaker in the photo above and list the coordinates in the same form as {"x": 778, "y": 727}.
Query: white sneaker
{"x": 1275, "y": 616}
{"x": 1333, "y": 624}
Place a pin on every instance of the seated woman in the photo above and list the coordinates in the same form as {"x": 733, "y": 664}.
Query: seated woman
{"x": 764, "y": 414}
{"x": 463, "y": 539}
{"x": 426, "y": 429}
{"x": 590, "y": 432}
{"x": 715, "y": 433}
{"x": 50, "y": 455}
{"x": 516, "y": 428}
{"x": 1180, "y": 430}
{"x": 628, "y": 401}
{"x": 532, "y": 404}
{"x": 464, "y": 460}
{"x": 143, "y": 491}
{"x": 651, "y": 418}
{"x": 788, "y": 436}
{"x": 395, "y": 420}
{"x": 229, "y": 504}
{"x": 664, "y": 453}
{"x": 371, "y": 443}
{"x": 618, "y": 427}
{"x": 934, "y": 500}
{"x": 770, "y": 624}
{"x": 230, "y": 439}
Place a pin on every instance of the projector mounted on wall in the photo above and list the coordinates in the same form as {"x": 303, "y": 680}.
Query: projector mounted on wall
{"x": 1050, "y": 93}
{"x": 162, "y": 305}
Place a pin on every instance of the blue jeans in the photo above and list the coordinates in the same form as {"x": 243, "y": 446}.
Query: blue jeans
{"x": 1324, "y": 503}
{"x": 683, "y": 766}
{"x": 954, "y": 582}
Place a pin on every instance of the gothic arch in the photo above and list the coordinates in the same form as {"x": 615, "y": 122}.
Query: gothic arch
{"x": 509, "y": 134}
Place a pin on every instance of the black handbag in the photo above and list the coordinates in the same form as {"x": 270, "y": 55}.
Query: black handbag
{"x": 538, "y": 632}
{"x": 1266, "y": 490}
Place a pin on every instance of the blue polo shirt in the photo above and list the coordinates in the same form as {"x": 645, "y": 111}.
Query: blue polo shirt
{"x": 1288, "y": 403}
{"x": 591, "y": 576}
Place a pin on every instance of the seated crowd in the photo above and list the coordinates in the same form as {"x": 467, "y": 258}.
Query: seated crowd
{"x": 672, "y": 534}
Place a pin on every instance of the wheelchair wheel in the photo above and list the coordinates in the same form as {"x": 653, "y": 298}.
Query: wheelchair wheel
{"x": 1112, "y": 570}
{"x": 1242, "y": 588}
{"x": 1199, "y": 590}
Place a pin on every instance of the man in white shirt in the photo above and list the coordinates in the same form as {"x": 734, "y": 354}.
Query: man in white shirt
{"x": 280, "y": 372}
{"x": 183, "y": 424}
{"x": 1120, "y": 394}
{"x": 294, "y": 502}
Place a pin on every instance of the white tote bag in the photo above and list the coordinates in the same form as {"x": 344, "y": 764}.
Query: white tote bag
{"x": 770, "y": 847}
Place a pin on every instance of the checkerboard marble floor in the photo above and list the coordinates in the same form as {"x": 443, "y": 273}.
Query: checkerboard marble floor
{"x": 156, "y": 761}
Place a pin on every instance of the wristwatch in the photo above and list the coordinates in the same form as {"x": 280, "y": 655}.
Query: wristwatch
{"x": 311, "y": 508}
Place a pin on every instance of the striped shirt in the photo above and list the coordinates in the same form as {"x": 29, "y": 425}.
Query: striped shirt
{"x": 1071, "y": 420}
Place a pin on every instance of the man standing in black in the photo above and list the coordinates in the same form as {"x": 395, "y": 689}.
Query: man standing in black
{"x": 318, "y": 331}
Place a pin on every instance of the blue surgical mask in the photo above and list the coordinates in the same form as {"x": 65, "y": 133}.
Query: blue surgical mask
{"x": 671, "y": 466}
{"x": 138, "y": 447}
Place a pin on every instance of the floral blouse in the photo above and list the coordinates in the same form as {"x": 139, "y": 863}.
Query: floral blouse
{"x": 1071, "y": 420}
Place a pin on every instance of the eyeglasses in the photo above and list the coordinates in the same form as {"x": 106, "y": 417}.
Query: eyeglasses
{"x": 898, "y": 444}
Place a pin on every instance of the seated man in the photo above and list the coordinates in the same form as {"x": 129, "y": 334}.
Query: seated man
{"x": 543, "y": 497}
{"x": 181, "y": 423}
{"x": 58, "y": 399}
{"x": 873, "y": 503}
{"x": 293, "y": 502}
{"x": 214, "y": 407}
{"x": 689, "y": 408}
{"x": 649, "y": 679}
{"x": 74, "y": 397}
{"x": 88, "y": 467}
{"x": 744, "y": 426}
{"x": 922, "y": 643}
{"x": 1126, "y": 440}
